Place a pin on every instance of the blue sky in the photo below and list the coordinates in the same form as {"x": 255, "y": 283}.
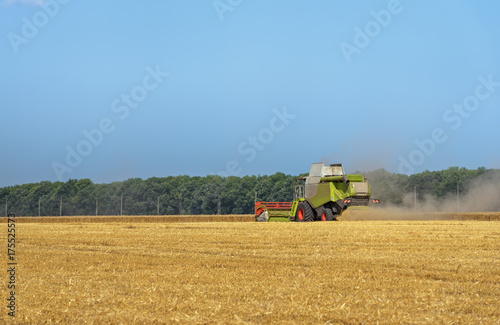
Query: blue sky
{"x": 245, "y": 87}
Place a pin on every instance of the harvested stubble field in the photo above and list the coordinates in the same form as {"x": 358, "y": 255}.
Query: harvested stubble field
{"x": 431, "y": 272}
{"x": 137, "y": 219}
{"x": 400, "y": 214}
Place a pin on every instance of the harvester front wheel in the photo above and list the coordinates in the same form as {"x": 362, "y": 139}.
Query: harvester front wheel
{"x": 325, "y": 214}
{"x": 304, "y": 212}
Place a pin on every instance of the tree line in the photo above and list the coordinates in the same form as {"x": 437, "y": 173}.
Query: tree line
{"x": 214, "y": 194}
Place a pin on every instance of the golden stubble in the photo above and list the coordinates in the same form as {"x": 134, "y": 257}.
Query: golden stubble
{"x": 414, "y": 272}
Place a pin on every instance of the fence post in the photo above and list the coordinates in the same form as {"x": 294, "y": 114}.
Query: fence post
{"x": 415, "y": 196}
{"x": 218, "y": 203}
{"x": 180, "y": 203}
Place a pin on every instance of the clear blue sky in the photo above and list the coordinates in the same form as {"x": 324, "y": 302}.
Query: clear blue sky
{"x": 245, "y": 87}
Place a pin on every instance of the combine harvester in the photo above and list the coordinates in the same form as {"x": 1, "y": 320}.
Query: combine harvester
{"x": 323, "y": 195}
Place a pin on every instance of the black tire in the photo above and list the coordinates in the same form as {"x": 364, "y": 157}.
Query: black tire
{"x": 304, "y": 212}
{"x": 337, "y": 211}
{"x": 325, "y": 214}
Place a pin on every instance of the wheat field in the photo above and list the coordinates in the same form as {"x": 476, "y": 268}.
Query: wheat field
{"x": 347, "y": 272}
{"x": 401, "y": 214}
{"x": 138, "y": 219}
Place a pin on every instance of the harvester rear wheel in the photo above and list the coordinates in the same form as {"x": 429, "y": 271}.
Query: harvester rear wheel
{"x": 325, "y": 214}
{"x": 304, "y": 212}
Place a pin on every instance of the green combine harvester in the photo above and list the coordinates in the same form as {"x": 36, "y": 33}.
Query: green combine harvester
{"x": 323, "y": 195}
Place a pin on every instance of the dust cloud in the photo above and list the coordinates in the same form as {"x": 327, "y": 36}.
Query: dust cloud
{"x": 480, "y": 202}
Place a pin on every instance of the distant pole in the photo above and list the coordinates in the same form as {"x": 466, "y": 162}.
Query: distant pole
{"x": 218, "y": 203}
{"x": 38, "y": 207}
{"x": 255, "y": 203}
{"x": 180, "y": 203}
{"x": 158, "y": 207}
{"x": 415, "y": 196}
{"x": 121, "y": 205}
{"x": 6, "y": 208}
{"x": 60, "y": 208}
{"x": 458, "y": 198}
{"x": 96, "y": 206}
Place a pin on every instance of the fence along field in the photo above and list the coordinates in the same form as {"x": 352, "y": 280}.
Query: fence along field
{"x": 139, "y": 219}
{"x": 234, "y": 272}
